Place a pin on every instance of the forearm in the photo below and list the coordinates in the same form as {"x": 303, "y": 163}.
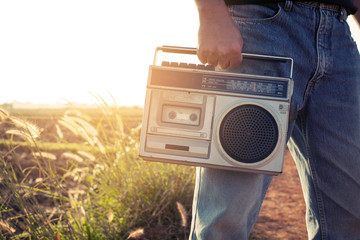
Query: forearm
{"x": 357, "y": 14}
{"x": 211, "y": 11}
{"x": 201, "y": 4}
{"x": 219, "y": 40}
{"x": 209, "y": 6}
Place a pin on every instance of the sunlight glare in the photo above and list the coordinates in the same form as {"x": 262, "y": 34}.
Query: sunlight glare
{"x": 60, "y": 51}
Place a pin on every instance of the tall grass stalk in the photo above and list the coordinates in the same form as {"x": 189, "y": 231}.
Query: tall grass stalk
{"x": 101, "y": 192}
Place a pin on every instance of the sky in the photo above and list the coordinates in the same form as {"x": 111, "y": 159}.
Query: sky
{"x": 69, "y": 50}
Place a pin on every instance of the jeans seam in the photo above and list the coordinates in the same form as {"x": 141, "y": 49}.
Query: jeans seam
{"x": 317, "y": 74}
{"x": 319, "y": 200}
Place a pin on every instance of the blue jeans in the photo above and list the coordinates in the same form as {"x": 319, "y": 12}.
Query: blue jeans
{"x": 324, "y": 140}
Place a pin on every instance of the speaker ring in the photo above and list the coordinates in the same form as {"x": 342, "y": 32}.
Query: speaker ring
{"x": 259, "y": 162}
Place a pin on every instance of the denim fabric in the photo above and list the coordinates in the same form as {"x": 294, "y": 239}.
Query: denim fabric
{"x": 324, "y": 140}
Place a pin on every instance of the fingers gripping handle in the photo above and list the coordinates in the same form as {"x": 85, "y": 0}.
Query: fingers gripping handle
{"x": 193, "y": 51}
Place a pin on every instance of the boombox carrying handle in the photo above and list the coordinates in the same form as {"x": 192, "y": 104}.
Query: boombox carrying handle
{"x": 193, "y": 51}
{"x": 175, "y": 49}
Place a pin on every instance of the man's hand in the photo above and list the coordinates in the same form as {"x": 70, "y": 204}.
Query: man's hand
{"x": 219, "y": 41}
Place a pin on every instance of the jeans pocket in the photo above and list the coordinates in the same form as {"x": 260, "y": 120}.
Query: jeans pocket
{"x": 255, "y": 12}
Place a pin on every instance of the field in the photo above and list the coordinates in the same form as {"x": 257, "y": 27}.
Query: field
{"x": 75, "y": 174}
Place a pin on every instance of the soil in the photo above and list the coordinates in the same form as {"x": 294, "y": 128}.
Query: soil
{"x": 282, "y": 215}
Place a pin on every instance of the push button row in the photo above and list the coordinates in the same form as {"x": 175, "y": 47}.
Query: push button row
{"x": 188, "y": 65}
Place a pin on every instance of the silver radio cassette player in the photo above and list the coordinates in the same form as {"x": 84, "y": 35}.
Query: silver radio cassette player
{"x": 195, "y": 115}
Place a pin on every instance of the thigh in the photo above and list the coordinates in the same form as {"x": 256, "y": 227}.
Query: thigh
{"x": 332, "y": 131}
{"x": 326, "y": 142}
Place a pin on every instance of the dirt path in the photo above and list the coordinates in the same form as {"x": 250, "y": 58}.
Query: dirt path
{"x": 283, "y": 210}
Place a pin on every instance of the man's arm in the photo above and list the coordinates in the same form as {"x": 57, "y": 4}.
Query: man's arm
{"x": 219, "y": 41}
{"x": 357, "y": 14}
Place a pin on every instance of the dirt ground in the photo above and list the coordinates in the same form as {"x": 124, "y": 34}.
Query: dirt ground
{"x": 282, "y": 214}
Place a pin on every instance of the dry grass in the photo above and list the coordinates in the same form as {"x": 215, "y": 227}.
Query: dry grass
{"x": 88, "y": 183}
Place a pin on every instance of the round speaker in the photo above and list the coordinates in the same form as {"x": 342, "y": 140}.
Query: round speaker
{"x": 248, "y": 133}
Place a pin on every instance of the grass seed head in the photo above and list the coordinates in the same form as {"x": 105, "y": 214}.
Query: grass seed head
{"x": 183, "y": 214}
{"x": 136, "y": 233}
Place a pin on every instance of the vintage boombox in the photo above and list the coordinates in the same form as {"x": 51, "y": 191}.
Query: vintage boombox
{"x": 195, "y": 115}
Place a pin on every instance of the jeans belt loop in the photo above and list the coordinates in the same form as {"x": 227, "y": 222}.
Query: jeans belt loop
{"x": 288, "y": 5}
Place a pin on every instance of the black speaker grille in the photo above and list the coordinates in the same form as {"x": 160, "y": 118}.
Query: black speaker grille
{"x": 248, "y": 133}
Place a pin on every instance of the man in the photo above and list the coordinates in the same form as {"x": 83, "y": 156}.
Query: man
{"x": 357, "y": 14}
{"x": 324, "y": 126}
